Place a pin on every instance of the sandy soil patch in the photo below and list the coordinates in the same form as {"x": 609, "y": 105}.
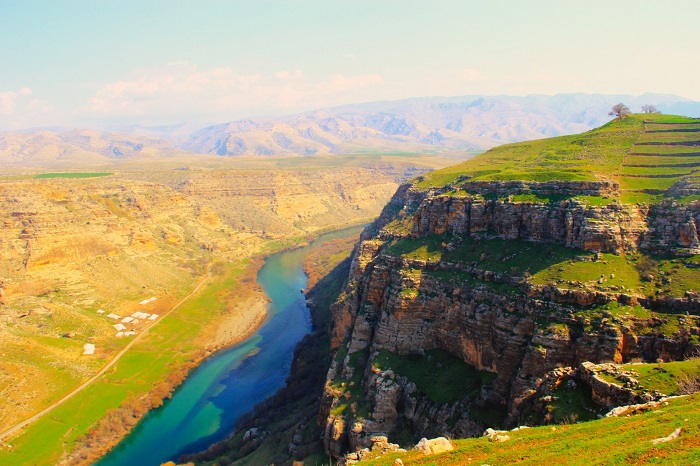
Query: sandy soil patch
{"x": 241, "y": 321}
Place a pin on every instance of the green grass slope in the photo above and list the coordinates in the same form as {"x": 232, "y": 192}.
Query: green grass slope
{"x": 646, "y": 154}
{"x": 619, "y": 441}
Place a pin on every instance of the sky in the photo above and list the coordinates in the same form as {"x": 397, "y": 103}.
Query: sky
{"x": 94, "y": 63}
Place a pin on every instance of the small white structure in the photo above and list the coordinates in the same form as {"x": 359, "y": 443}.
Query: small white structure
{"x": 140, "y": 315}
{"x": 126, "y": 320}
{"x": 128, "y": 334}
{"x": 153, "y": 317}
{"x": 146, "y": 301}
{"x": 100, "y": 311}
{"x": 114, "y": 316}
{"x": 88, "y": 348}
{"x": 119, "y": 334}
{"x": 119, "y": 327}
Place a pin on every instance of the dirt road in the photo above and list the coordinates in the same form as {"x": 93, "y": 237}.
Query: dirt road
{"x": 107, "y": 366}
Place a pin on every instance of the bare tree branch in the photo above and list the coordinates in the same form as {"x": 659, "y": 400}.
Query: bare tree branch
{"x": 619, "y": 111}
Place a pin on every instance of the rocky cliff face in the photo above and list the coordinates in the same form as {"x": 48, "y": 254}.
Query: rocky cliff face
{"x": 573, "y": 223}
{"x": 398, "y": 309}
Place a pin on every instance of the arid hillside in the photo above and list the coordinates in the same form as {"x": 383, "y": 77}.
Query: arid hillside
{"x": 277, "y": 203}
{"x": 76, "y": 252}
{"x": 77, "y": 148}
{"x": 71, "y": 248}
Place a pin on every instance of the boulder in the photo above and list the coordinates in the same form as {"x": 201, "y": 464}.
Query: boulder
{"x": 433, "y": 446}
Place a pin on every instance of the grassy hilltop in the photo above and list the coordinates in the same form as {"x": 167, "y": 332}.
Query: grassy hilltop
{"x": 646, "y": 154}
{"x": 651, "y": 157}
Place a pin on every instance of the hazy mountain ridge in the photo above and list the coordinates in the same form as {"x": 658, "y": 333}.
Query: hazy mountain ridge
{"x": 48, "y": 148}
{"x": 427, "y": 124}
{"x": 418, "y": 125}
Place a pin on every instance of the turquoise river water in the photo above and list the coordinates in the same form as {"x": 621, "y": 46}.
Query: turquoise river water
{"x": 204, "y": 409}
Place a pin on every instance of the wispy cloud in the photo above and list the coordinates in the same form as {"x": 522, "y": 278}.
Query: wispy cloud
{"x": 21, "y": 109}
{"x": 184, "y": 91}
{"x": 10, "y": 99}
{"x": 288, "y": 75}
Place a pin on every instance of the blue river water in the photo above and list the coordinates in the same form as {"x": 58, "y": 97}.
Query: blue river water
{"x": 228, "y": 384}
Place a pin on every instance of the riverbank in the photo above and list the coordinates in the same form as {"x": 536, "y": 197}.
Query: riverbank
{"x": 226, "y": 385}
{"x": 110, "y": 363}
{"x": 286, "y": 423}
{"x": 219, "y": 306}
{"x": 242, "y": 322}
{"x": 149, "y": 373}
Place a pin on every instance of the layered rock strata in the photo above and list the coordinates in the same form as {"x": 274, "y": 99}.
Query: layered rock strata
{"x": 611, "y": 228}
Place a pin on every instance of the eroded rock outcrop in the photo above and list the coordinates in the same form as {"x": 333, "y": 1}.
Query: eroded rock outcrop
{"x": 611, "y": 228}
{"x": 613, "y": 394}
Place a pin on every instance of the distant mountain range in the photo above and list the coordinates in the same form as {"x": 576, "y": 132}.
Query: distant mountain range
{"x": 425, "y": 125}
{"x": 76, "y": 148}
{"x": 430, "y": 124}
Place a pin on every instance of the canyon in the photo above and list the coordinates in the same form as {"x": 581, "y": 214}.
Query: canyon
{"x": 485, "y": 298}
{"x": 484, "y": 295}
{"x": 82, "y": 250}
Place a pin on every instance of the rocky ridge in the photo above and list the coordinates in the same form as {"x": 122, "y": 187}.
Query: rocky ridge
{"x": 504, "y": 323}
{"x": 77, "y": 147}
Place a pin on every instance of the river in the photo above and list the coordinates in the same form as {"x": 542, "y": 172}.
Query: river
{"x": 204, "y": 409}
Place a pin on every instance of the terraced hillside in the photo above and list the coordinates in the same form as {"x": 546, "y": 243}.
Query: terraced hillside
{"x": 664, "y": 161}
{"x": 646, "y": 158}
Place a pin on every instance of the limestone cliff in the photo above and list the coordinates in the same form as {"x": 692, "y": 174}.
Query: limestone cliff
{"x": 514, "y": 291}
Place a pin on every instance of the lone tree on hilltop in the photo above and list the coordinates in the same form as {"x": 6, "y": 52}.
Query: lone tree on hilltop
{"x": 648, "y": 108}
{"x": 619, "y": 111}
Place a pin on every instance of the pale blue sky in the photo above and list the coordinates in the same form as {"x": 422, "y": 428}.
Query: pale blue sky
{"x": 87, "y": 63}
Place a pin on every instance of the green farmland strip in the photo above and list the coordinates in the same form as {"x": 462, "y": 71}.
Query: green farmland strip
{"x": 72, "y": 175}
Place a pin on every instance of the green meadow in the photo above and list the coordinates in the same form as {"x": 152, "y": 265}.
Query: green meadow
{"x": 72, "y": 175}
{"x": 664, "y": 378}
{"x": 553, "y": 263}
